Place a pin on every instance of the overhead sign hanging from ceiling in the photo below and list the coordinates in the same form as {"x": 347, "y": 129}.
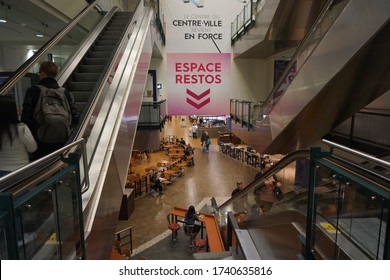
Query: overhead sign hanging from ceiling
{"x": 199, "y": 56}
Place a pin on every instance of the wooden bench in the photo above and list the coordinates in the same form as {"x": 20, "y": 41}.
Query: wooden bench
{"x": 214, "y": 238}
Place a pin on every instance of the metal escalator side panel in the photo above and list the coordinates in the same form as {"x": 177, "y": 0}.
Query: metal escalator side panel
{"x": 331, "y": 54}
{"x": 116, "y": 130}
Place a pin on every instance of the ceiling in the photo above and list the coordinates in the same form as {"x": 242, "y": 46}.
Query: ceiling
{"x": 24, "y": 21}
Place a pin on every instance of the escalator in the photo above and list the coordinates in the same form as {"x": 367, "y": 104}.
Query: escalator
{"x": 85, "y": 77}
{"x": 336, "y": 77}
{"x": 333, "y": 208}
{"x": 335, "y": 72}
{"x": 82, "y": 184}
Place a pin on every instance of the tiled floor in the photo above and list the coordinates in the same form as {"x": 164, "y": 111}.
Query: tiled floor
{"x": 214, "y": 175}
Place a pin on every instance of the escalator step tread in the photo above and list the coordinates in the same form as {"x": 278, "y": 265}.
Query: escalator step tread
{"x": 80, "y": 86}
{"x": 90, "y": 68}
{"x": 95, "y": 61}
{"x": 87, "y": 77}
{"x": 98, "y": 54}
{"x": 81, "y": 96}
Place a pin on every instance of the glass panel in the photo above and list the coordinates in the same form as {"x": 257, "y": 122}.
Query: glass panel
{"x": 48, "y": 222}
{"x": 36, "y": 227}
{"x": 68, "y": 218}
{"x": 152, "y": 113}
{"x": 3, "y": 239}
{"x": 350, "y": 219}
{"x": 260, "y": 199}
{"x": 362, "y": 219}
{"x": 247, "y": 13}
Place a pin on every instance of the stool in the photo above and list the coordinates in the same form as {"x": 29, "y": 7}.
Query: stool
{"x": 174, "y": 227}
{"x": 199, "y": 245}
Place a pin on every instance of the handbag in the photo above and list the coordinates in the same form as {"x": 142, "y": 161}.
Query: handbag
{"x": 278, "y": 193}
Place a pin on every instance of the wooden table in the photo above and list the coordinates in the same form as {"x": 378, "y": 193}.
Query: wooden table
{"x": 170, "y": 173}
{"x": 163, "y": 163}
{"x": 153, "y": 168}
{"x": 176, "y": 155}
{"x": 214, "y": 238}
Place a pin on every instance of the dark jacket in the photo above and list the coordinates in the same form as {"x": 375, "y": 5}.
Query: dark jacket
{"x": 31, "y": 100}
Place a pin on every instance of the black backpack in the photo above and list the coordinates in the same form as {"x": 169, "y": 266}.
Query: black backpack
{"x": 53, "y": 115}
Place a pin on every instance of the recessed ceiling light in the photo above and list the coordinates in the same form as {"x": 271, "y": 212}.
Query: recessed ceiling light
{"x": 2, "y": 20}
{"x": 39, "y": 35}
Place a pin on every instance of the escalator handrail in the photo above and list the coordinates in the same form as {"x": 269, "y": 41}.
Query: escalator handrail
{"x": 357, "y": 153}
{"x": 45, "y": 161}
{"x": 298, "y": 51}
{"x": 273, "y": 170}
{"x": 23, "y": 69}
{"x": 305, "y": 153}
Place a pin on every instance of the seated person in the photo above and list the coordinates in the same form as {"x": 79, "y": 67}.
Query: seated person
{"x": 189, "y": 151}
{"x": 156, "y": 183}
{"x": 189, "y": 220}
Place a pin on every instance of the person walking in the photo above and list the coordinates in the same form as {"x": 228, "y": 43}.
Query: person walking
{"x": 203, "y": 138}
{"x": 34, "y": 118}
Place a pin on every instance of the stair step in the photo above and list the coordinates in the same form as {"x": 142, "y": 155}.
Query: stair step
{"x": 106, "y": 42}
{"x": 109, "y": 37}
{"x": 80, "y": 86}
{"x": 101, "y": 48}
{"x": 95, "y": 61}
{"x": 85, "y": 77}
{"x": 81, "y": 105}
{"x": 90, "y": 68}
{"x": 81, "y": 96}
{"x": 96, "y": 54}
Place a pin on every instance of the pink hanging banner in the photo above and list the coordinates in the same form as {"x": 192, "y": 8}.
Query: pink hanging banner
{"x": 199, "y": 84}
{"x": 199, "y": 56}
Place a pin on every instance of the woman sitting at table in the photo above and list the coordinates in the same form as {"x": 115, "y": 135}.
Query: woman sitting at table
{"x": 190, "y": 217}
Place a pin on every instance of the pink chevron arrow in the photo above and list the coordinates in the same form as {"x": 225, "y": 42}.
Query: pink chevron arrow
{"x": 198, "y": 106}
{"x": 197, "y": 97}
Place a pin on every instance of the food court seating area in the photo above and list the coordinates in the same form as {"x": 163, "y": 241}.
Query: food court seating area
{"x": 171, "y": 164}
{"x": 244, "y": 154}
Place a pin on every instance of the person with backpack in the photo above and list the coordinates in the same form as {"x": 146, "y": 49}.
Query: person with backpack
{"x": 49, "y": 111}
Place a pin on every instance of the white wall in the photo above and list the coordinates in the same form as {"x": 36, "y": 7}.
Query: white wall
{"x": 251, "y": 79}
{"x": 13, "y": 57}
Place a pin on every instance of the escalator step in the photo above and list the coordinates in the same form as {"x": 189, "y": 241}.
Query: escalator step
{"x": 95, "y": 61}
{"x": 101, "y": 48}
{"x": 81, "y": 105}
{"x": 81, "y": 96}
{"x": 86, "y": 77}
{"x": 105, "y": 42}
{"x": 110, "y": 29}
{"x": 95, "y": 54}
{"x": 90, "y": 68}
{"x": 109, "y": 37}
{"x": 80, "y": 86}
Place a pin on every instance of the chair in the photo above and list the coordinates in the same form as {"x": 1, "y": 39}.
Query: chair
{"x": 117, "y": 246}
{"x": 126, "y": 252}
{"x": 174, "y": 227}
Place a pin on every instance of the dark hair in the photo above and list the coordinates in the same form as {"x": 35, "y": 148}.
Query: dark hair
{"x": 49, "y": 68}
{"x": 8, "y": 116}
{"x": 190, "y": 211}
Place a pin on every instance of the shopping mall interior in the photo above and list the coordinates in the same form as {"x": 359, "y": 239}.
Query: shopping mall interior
{"x": 292, "y": 95}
